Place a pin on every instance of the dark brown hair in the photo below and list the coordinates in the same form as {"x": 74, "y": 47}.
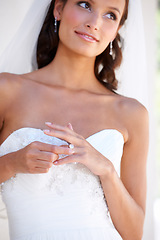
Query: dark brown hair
{"x": 105, "y": 64}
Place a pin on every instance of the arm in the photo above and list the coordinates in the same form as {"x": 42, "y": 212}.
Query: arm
{"x": 126, "y": 196}
{"x": 37, "y": 157}
{"x": 5, "y": 96}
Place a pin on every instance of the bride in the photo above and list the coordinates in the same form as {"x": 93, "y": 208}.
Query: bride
{"x": 73, "y": 152}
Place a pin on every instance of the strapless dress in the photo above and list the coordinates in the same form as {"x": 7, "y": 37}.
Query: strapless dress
{"x": 68, "y": 202}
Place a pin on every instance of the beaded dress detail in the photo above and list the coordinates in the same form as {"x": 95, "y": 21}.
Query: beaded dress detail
{"x": 68, "y": 202}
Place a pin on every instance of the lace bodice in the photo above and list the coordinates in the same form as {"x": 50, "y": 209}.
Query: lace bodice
{"x": 67, "y": 193}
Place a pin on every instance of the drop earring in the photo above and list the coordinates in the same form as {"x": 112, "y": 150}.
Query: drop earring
{"x": 111, "y": 48}
{"x": 55, "y": 24}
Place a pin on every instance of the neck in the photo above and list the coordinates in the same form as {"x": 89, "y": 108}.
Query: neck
{"x": 73, "y": 71}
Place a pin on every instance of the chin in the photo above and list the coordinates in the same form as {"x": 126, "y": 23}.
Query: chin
{"x": 87, "y": 53}
{"x": 84, "y": 51}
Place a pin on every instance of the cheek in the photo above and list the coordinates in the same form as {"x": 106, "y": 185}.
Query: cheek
{"x": 109, "y": 32}
{"x": 111, "y": 28}
{"x": 72, "y": 17}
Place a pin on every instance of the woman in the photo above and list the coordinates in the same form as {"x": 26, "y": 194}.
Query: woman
{"x": 47, "y": 195}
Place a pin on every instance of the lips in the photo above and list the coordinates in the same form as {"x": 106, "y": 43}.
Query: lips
{"x": 88, "y": 37}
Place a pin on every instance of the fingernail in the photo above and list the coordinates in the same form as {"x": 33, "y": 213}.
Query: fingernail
{"x": 46, "y": 131}
{"x": 56, "y": 162}
{"x": 70, "y": 125}
{"x": 48, "y": 123}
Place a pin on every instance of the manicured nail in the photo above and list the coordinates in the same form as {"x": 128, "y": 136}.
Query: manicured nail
{"x": 56, "y": 162}
{"x": 46, "y": 131}
{"x": 70, "y": 126}
{"x": 48, "y": 123}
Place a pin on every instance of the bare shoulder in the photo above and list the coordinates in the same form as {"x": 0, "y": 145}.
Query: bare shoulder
{"x": 8, "y": 86}
{"x": 132, "y": 107}
{"x": 133, "y": 115}
{"x": 7, "y": 81}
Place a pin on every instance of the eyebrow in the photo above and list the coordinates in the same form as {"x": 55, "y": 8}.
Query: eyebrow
{"x": 113, "y": 8}
{"x": 92, "y": 1}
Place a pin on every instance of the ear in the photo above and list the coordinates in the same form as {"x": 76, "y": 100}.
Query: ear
{"x": 58, "y": 8}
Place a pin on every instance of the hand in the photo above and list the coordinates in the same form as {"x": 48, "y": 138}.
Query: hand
{"x": 37, "y": 157}
{"x": 83, "y": 152}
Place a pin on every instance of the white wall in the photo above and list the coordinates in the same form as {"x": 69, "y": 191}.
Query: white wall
{"x": 149, "y": 13}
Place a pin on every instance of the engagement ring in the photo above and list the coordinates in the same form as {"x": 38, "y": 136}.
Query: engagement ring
{"x": 71, "y": 145}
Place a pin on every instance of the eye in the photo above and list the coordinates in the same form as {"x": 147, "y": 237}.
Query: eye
{"x": 111, "y": 16}
{"x": 85, "y": 5}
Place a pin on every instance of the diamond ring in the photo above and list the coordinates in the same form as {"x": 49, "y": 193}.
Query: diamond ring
{"x": 71, "y": 146}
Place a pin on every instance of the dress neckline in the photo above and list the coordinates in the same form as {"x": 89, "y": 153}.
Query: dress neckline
{"x": 88, "y": 138}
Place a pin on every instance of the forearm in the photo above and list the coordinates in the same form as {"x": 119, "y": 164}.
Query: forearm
{"x": 126, "y": 214}
{"x": 6, "y": 167}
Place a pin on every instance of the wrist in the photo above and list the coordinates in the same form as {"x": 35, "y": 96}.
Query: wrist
{"x": 10, "y": 164}
{"x": 109, "y": 173}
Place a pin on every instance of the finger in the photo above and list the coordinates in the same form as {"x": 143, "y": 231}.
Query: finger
{"x": 43, "y": 164}
{"x": 65, "y": 136}
{"x": 55, "y": 151}
{"x": 69, "y": 125}
{"x": 67, "y": 129}
{"x": 47, "y": 156}
{"x": 45, "y": 147}
{"x": 63, "y": 149}
{"x": 39, "y": 170}
{"x": 42, "y": 146}
{"x": 58, "y": 127}
{"x": 68, "y": 159}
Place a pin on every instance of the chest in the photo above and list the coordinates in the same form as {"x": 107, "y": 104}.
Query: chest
{"x": 36, "y": 107}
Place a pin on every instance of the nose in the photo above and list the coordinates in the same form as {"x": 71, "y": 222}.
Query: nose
{"x": 93, "y": 22}
{"x": 90, "y": 26}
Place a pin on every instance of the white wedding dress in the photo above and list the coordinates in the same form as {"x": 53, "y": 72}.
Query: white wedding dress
{"x": 67, "y": 203}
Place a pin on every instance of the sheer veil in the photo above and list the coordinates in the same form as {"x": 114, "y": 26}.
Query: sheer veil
{"x": 18, "y": 51}
{"x": 18, "y": 55}
{"x": 133, "y": 72}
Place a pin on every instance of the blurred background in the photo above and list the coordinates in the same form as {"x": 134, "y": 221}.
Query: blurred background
{"x": 157, "y": 123}
{"x": 151, "y": 18}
